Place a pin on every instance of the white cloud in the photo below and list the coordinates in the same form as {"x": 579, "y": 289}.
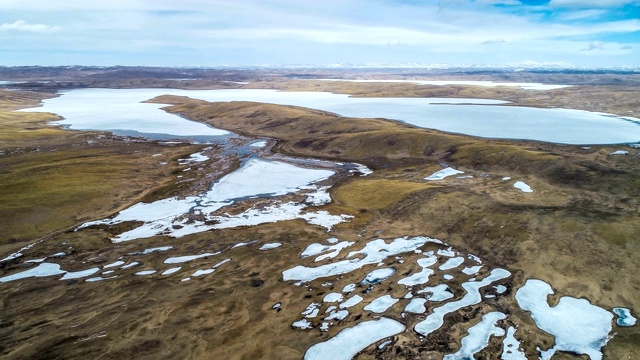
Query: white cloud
{"x": 493, "y": 41}
{"x": 499, "y": 2}
{"x": 591, "y": 3}
{"x": 21, "y": 25}
{"x": 594, "y": 45}
{"x": 583, "y": 14}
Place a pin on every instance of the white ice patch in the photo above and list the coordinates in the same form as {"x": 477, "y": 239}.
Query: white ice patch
{"x": 446, "y": 252}
{"x": 79, "y": 274}
{"x": 377, "y": 276}
{"x": 331, "y": 250}
{"x": 18, "y": 253}
{"x": 439, "y": 292}
{"x": 241, "y": 244}
{"x": 187, "y": 258}
{"x": 478, "y": 337}
{"x": 255, "y": 178}
{"x": 320, "y": 197}
{"x": 337, "y": 315}
{"x": 435, "y": 320}
{"x": 474, "y": 258}
{"x": 500, "y": 289}
{"x": 171, "y": 270}
{"x": 506, "y": 178}
{"x": 511, "y": 347}
{"x": 42, "y": 270}
{"x": 522, "y": 186}
{"x": 349, "y": 288}
{"x": 145, "y": 272}
{"x": 333, "y": 297}
{"x": 381, "y": 304}
{"x": 447, "y": 277}
{"x": 624, "y": 317}
{"x": 202, "y": 272}
{"x": 452, "y": 263}
{"x": 302, "y": 324}
{"x": 130, "y": 265}
{"x": 352, "y": 301}
{"x": 578, "y": 326}
{"x": 442, "y": 174}
{"x": 421, "y": 277}
{"x": 620, "y": 152}
{"x": 156, "y": 249}
{"x": 258, "y": 144}
{"x": 311, "y": 309}
{"x": 196, "y": 157}
{"x": 35, "y": 261}
{"x": 472, "y": 270}
{"x": 270, "y": 246}
{"x": 363, "y": 170}
{"x": 374, "y": 252}
{"x": 416, "y": 306}
{"x": 349, "y": 342}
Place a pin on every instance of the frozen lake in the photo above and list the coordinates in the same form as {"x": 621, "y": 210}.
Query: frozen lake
{"x": 120, "y": 110}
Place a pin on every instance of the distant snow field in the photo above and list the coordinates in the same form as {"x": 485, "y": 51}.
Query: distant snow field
{"x": 526, "y": 86}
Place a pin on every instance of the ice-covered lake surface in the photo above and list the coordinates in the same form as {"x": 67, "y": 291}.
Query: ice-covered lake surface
{"x": 254, "y": 179}
{"x": 121, "y": 110}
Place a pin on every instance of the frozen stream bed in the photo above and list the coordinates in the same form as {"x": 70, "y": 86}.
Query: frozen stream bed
{"x": 84, "y": 109}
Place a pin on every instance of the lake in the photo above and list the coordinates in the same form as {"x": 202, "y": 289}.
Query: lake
{"x": 121, "y": 110}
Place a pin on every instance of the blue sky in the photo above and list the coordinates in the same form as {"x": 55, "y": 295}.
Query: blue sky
{"x": 595, "y": 33}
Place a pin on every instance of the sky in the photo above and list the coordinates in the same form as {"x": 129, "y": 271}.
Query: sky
{"x": 584, "y": 33}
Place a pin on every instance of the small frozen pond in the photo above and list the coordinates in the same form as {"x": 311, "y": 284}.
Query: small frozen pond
{"x": 122, "y": 110}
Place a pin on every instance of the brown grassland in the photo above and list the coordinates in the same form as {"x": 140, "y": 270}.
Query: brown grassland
{"x": 577, "y": 230}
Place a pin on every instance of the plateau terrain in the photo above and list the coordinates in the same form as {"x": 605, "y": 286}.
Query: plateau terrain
{"x": 276, "y": 214}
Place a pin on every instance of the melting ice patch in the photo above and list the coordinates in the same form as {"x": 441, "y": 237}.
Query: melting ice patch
{"x": 42, "y": 270}
{"x": 577, "y": 326}
{"x": 352, "y": 301}
{"x": 45, "y": 269}
{"x": 436, "y": 319}
{"x": 511, "y": 346}
{"x": 452, "y": 263}
{"x": 348, "y": 342}
{"x": 478, "y": 337}
{"x": 522, "y": 186}
{"x": 416, "y": 306}
{"x": 187, "y": 258}
{"x": 439, "y": 292}
{"x": 270, "y": 246}
{"x": 377, "y": 276}
{"x": 442, "y": 174}
{"x": 624, "y": 317}
{"x": 254, "y": 179}
{"x": 374, "y": 252}
{"x": 381, "y": 304}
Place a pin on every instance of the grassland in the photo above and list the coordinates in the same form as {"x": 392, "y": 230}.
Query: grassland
{"x": 577, "y": 230}
{"x": 52, "y": 179}
{"x": 576, "y": 224}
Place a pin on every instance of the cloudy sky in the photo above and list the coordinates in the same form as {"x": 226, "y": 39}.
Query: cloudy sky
{"x": 601, "y": 33}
